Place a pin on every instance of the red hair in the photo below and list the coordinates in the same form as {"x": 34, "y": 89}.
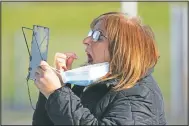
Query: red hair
{"x": 132, "y": 48}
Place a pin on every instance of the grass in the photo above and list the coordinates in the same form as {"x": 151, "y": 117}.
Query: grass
{"x": 69, "y": 24}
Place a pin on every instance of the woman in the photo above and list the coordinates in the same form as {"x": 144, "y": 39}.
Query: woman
{"x": 128, "y": 95}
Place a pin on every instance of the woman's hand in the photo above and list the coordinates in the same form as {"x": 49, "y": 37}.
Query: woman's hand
{"x": 46, "y": 79}
{"x": 63, "y": 61}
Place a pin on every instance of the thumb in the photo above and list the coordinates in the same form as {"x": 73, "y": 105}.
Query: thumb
{"x": 44, "y": 63}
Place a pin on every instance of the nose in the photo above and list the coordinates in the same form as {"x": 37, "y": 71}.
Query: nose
{"x": 87, "y": 40}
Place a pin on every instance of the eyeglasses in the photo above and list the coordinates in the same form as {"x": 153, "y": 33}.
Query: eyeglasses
{"x": 95, "y": 35}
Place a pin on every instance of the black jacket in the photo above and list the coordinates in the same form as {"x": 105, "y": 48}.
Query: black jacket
{"x": 98, "y": 105}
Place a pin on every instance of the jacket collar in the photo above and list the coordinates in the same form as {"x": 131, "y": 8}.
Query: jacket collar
{"x": 150, "y": 71}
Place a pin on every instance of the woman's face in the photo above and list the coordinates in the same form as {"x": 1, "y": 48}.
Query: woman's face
{"x": 97, "y": 50}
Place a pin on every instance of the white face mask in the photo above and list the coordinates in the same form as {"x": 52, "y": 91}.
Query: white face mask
{"x": 85, "y": 75}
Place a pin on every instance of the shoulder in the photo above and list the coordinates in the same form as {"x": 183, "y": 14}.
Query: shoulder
{"x": 144, "y": 102}
{"x": 143, "y": 89}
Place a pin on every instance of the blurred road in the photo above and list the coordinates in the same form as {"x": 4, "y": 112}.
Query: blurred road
{"x": 24, "y": 117}
{"x": 12, "y": 117}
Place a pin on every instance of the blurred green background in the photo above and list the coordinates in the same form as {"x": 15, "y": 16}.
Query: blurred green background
{"x": 69, "y": 24}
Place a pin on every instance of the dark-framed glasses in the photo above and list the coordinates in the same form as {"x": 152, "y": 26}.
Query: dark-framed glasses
{"x": 96, "y": 35}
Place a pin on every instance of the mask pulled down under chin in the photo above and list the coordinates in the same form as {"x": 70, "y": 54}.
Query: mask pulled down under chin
{"x": 86, "y": 75}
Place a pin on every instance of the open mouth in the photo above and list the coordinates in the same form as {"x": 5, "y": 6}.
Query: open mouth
{"x": 89, "y": 57}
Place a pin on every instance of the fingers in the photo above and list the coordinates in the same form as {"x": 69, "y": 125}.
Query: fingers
{"x": 44, "y": 63}
{"x": 66, "y": 55}
{"x": 46, "y": 79}
{"x": 64, "y": 60}
{"x": 42, "y": 69}
{"x": 69, "y": 62}
{"x": 60, "y": 60}
{"x": 39, "y": 70}
{"x": 61, "y": 64}
{"x": 38, "y": 77}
